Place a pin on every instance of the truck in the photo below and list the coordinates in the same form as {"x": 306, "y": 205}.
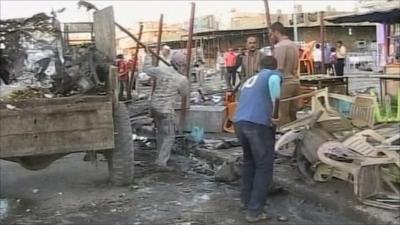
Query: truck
{"x": 35, "y": 132}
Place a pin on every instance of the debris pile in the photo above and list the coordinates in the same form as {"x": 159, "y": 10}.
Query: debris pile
{"x": 328, "y": 145}
{"x": 30, "y": 51}
{"x": 34, "y": 57}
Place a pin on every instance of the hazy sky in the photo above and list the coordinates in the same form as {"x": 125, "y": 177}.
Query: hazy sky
{"x": 129, "y": 13}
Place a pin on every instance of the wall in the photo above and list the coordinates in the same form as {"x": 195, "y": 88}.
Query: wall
{"x": 333, "y": 34}
{"x": 171, "y": 32}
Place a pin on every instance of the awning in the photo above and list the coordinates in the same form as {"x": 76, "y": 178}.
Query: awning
{"x": 389, "y": 15}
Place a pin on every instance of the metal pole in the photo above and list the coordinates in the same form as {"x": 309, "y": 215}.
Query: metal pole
{"x": 136, "y": 57}
{"x": 188, "y": 64}
{"x": 295, "y": 34}
{"x": 322, "y": 40}
{"x": 267, "y": 14}
{"x": 160, "y": 29}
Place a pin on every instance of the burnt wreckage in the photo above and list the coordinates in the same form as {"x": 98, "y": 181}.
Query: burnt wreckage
{"x": 34, "y": 56}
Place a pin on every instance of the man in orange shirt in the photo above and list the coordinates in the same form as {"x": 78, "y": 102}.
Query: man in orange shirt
{"x": 123, "y": 77}
{"x": 230, "y": 63}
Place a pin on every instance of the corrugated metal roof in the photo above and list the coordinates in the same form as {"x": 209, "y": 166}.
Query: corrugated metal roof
{"x": 383, "y": 15}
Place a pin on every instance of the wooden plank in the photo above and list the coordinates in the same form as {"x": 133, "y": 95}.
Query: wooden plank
{"x": 104, "y": 31}
{"x": 83, "y": 126}
{"x": 55, "y": 109}
{"x": 34, "y": 102}
{"x": 80, "y": 27}
{"x": 55, "y": 119}
{"x": 114, "y": 84}
{"x": 56, "y": 142}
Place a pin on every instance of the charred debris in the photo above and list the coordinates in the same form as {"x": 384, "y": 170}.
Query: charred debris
{"x": 35, "y": 61}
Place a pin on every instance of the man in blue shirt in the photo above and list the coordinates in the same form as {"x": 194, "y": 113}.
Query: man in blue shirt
{"x": 255, "y": 119}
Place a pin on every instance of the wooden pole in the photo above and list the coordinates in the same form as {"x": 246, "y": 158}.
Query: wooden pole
{"x": 160, "y": 29}
{"x": 190, "y": 39}
{"x": 158, "y": 50}
{"x": 322, "y": 40}
{"x": 90, "y": 6}
{"x": 188, "y": 65}
{"x": 141, "y": 44}
{"x": 267, "y": 14}
{"x": 134, "y": 66}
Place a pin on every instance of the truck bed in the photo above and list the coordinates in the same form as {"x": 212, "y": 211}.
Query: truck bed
{"x": 57, "y": 125}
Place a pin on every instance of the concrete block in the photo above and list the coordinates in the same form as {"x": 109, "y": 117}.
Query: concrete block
{"x": 210, "y": 118}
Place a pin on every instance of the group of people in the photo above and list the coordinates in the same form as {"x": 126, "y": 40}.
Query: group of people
{"x": 334, "y": 59}
{"x": 264, "y": 79}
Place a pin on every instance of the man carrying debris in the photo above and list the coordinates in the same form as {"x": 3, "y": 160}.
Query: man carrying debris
{"x": 169, "y": 83}
{"x": 255, "y": 127}
{"x": 287, "y": 56}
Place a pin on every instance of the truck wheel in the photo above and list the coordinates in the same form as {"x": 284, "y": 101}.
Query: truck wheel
{"x": 121, "y": 159}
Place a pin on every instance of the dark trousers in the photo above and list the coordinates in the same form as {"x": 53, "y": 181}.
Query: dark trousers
{"x": 339, "y": 67}
{"x": 230, "y": 77}
{"x": 258, "y": 161}
{"x": 327, "y": 68}
{"x": 318, "y": 68}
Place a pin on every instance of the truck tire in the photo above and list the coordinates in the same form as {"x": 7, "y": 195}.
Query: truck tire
{"x": 121, "y": 160}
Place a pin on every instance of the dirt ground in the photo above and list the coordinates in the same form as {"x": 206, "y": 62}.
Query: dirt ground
{"x": 75, "y": 192}
{"x": 72, "y": 191}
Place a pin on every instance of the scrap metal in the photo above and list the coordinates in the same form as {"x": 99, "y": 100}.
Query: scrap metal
{"x": 34, "y": 60}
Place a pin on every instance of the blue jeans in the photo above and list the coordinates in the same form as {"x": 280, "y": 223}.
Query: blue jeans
{"x": 258, "y": 143}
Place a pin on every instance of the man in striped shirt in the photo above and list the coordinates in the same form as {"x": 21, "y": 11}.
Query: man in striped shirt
{"x": 250, "y": 60}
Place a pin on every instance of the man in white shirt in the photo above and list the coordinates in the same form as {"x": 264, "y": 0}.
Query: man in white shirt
{"x": 340, "y": 55}
{"x": 317, "y": 58}
{"x": 220, "y": 66}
